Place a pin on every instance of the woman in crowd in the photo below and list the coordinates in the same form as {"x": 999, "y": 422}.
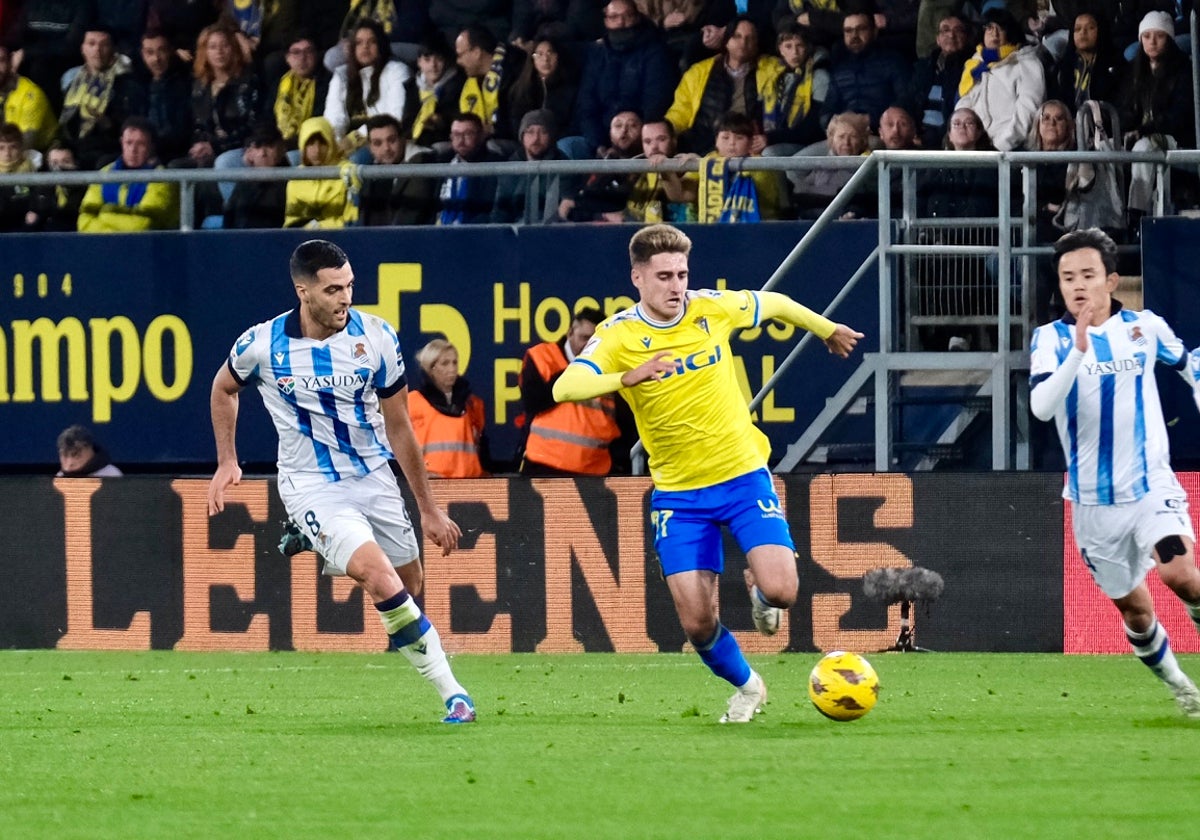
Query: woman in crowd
{"x": 447, "y": 418}
{"x": 370, "y": 83}
{"x": 1091, "y": 67}
{"x": 1003, "y": 82}
{"x": 548, "y": 81}
{"x": 1155, "y": 104}
{"x": 848, "y": 135}
{"x": 226, "y": 101}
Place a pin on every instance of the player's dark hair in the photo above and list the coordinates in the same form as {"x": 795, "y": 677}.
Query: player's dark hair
{"x": 1077, "y": 240}
{"x": 590, "y": 314}
{"x": 657, "y": 239}
{"x": 314, "y": 255}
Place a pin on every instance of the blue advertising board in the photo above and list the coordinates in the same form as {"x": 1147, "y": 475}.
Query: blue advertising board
{"x": 124, "y": 332}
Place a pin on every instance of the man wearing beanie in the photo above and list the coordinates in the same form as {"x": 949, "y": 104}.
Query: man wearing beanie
{"x": 531, "y": 199}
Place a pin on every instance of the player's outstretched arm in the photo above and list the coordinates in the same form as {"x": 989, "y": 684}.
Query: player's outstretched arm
{"x": 843, "y": 340}
{"x": 580, "y": 382}
{"x": 223, "y": 405}
{"x": 435, "y": 522}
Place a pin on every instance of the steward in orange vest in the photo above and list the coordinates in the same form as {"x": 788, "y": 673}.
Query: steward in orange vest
{"x": 449, "y": 428}
{"x": 565, "y": 438}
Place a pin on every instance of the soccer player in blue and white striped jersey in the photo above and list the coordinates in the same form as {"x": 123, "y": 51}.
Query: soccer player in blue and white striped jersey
{"x": 1093, "y": 373}
{"x": 333, "y": 381}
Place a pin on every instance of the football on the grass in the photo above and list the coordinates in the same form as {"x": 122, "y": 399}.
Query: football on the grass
{"x": 843, "y": 686}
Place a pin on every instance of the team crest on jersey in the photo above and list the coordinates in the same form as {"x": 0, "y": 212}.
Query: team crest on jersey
{"x": 286, "y": 384}
{"x": 360, "y": 353}
{"x": 702, "y": 323}
{"x": 1135, "y": 335}
{"x": 244, "y": 342}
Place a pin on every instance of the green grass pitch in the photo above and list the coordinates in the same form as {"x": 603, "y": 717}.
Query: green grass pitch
{"x": 290, "y": 745}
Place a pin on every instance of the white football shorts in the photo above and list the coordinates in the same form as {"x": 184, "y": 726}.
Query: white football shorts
{"x": 341, "y": 516}
{"x": 1117, "y": 541}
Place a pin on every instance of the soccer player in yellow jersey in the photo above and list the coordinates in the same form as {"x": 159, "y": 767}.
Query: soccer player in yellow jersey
{"x": 669, "y": 356}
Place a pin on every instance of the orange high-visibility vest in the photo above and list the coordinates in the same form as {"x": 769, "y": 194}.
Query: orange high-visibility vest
{"x": 572, "y": 437}
{"x": 448, "y": 444}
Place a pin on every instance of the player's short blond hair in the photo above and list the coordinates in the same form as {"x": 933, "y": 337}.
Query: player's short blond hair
{"x": 432, "y": 351}
{"x": 657, "y": 239}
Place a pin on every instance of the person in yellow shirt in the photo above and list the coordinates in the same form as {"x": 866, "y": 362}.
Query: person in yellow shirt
{"x": 325, "y": 203}
{"x": 121, "y": 208}
{"x": 670, "y": 358}
{"x": 24, "y": 104}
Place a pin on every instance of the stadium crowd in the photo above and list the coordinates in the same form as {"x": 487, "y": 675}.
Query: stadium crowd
{"x": 350, "y": 83}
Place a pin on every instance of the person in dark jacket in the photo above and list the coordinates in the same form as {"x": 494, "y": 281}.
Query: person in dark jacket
{"x": 395, "y": 201}
{"x": 160, "y": 89}
{"x": 934, "y": 87}
{"x": 259, "y": 204}
{"x": 1091, "y": 67}
{"x": 631, "y": 69}
{"x": 864, "y": 77}
{"x": 531, "y": 199}
{"x": 467, "y": 199}
{"x": 548, "y": 80}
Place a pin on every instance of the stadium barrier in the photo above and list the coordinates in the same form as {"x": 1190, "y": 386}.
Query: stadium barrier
{"x": 548, "y": 565}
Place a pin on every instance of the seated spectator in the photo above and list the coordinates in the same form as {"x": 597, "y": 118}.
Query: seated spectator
{"x": 159, "y": 88}
{"x": 792, "y": 99}
{"x": 369, "y": 83}
{"x": 302, "y": 90}
{"x": 127, "y": 207}
{"x": 404, "y": 24}
{"x": 1003, "y": 82}
{"x": 16, "y": 202}
{"x": 897, "y": 129}
{"x": 1091, "y": 67}
{"x": 183, "y": 21}
{"x": 323, "y": 203}
{"x": 49, "y": 35}
{"x": 729, "y": 197}
{"x": 25, "y": 104}
{"x": 91, "y": 118}
{"x": 531, "y": 199}
{"x": 439, "y": 87}
{"x": 936, "y": 78}
{"x": 719, "y": 15}
{"x": 864, "y": 77}
{"x": 1157, "y": 111}
{"x": 960, "y": 193}
{"x": 661, "y": 196}
{"x": 547, "y": 81}
{"x": 1054, "y": 131}
{"x": 847, "y": 135}
{"x": 603, "y": 196}
{"x": 489, "y": 71}
{"x": 57, "y": 208}
{"x": 572, "y": 23}
{"x": 448, "y": 420}
{"x": 680, "y": 22}
{"x": 225, "y": 97}
{"x": 467, "y": 199}
{"x": 395, "y": 201}
{"x": 822, "y": 18}
{"x": 630, "y": 69}
{"x": 81, "y": 456}
{"x": 259, "y": 204}
{"x": 726, "y": 82}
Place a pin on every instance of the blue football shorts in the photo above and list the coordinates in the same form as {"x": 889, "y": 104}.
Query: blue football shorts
{"x": 687, "y": 523}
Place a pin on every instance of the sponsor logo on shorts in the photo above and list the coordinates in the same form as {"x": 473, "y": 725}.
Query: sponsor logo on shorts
{"x": 770, "y": 508}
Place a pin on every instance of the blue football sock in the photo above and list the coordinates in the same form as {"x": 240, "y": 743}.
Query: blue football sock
{"x": 724, "y": 657}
